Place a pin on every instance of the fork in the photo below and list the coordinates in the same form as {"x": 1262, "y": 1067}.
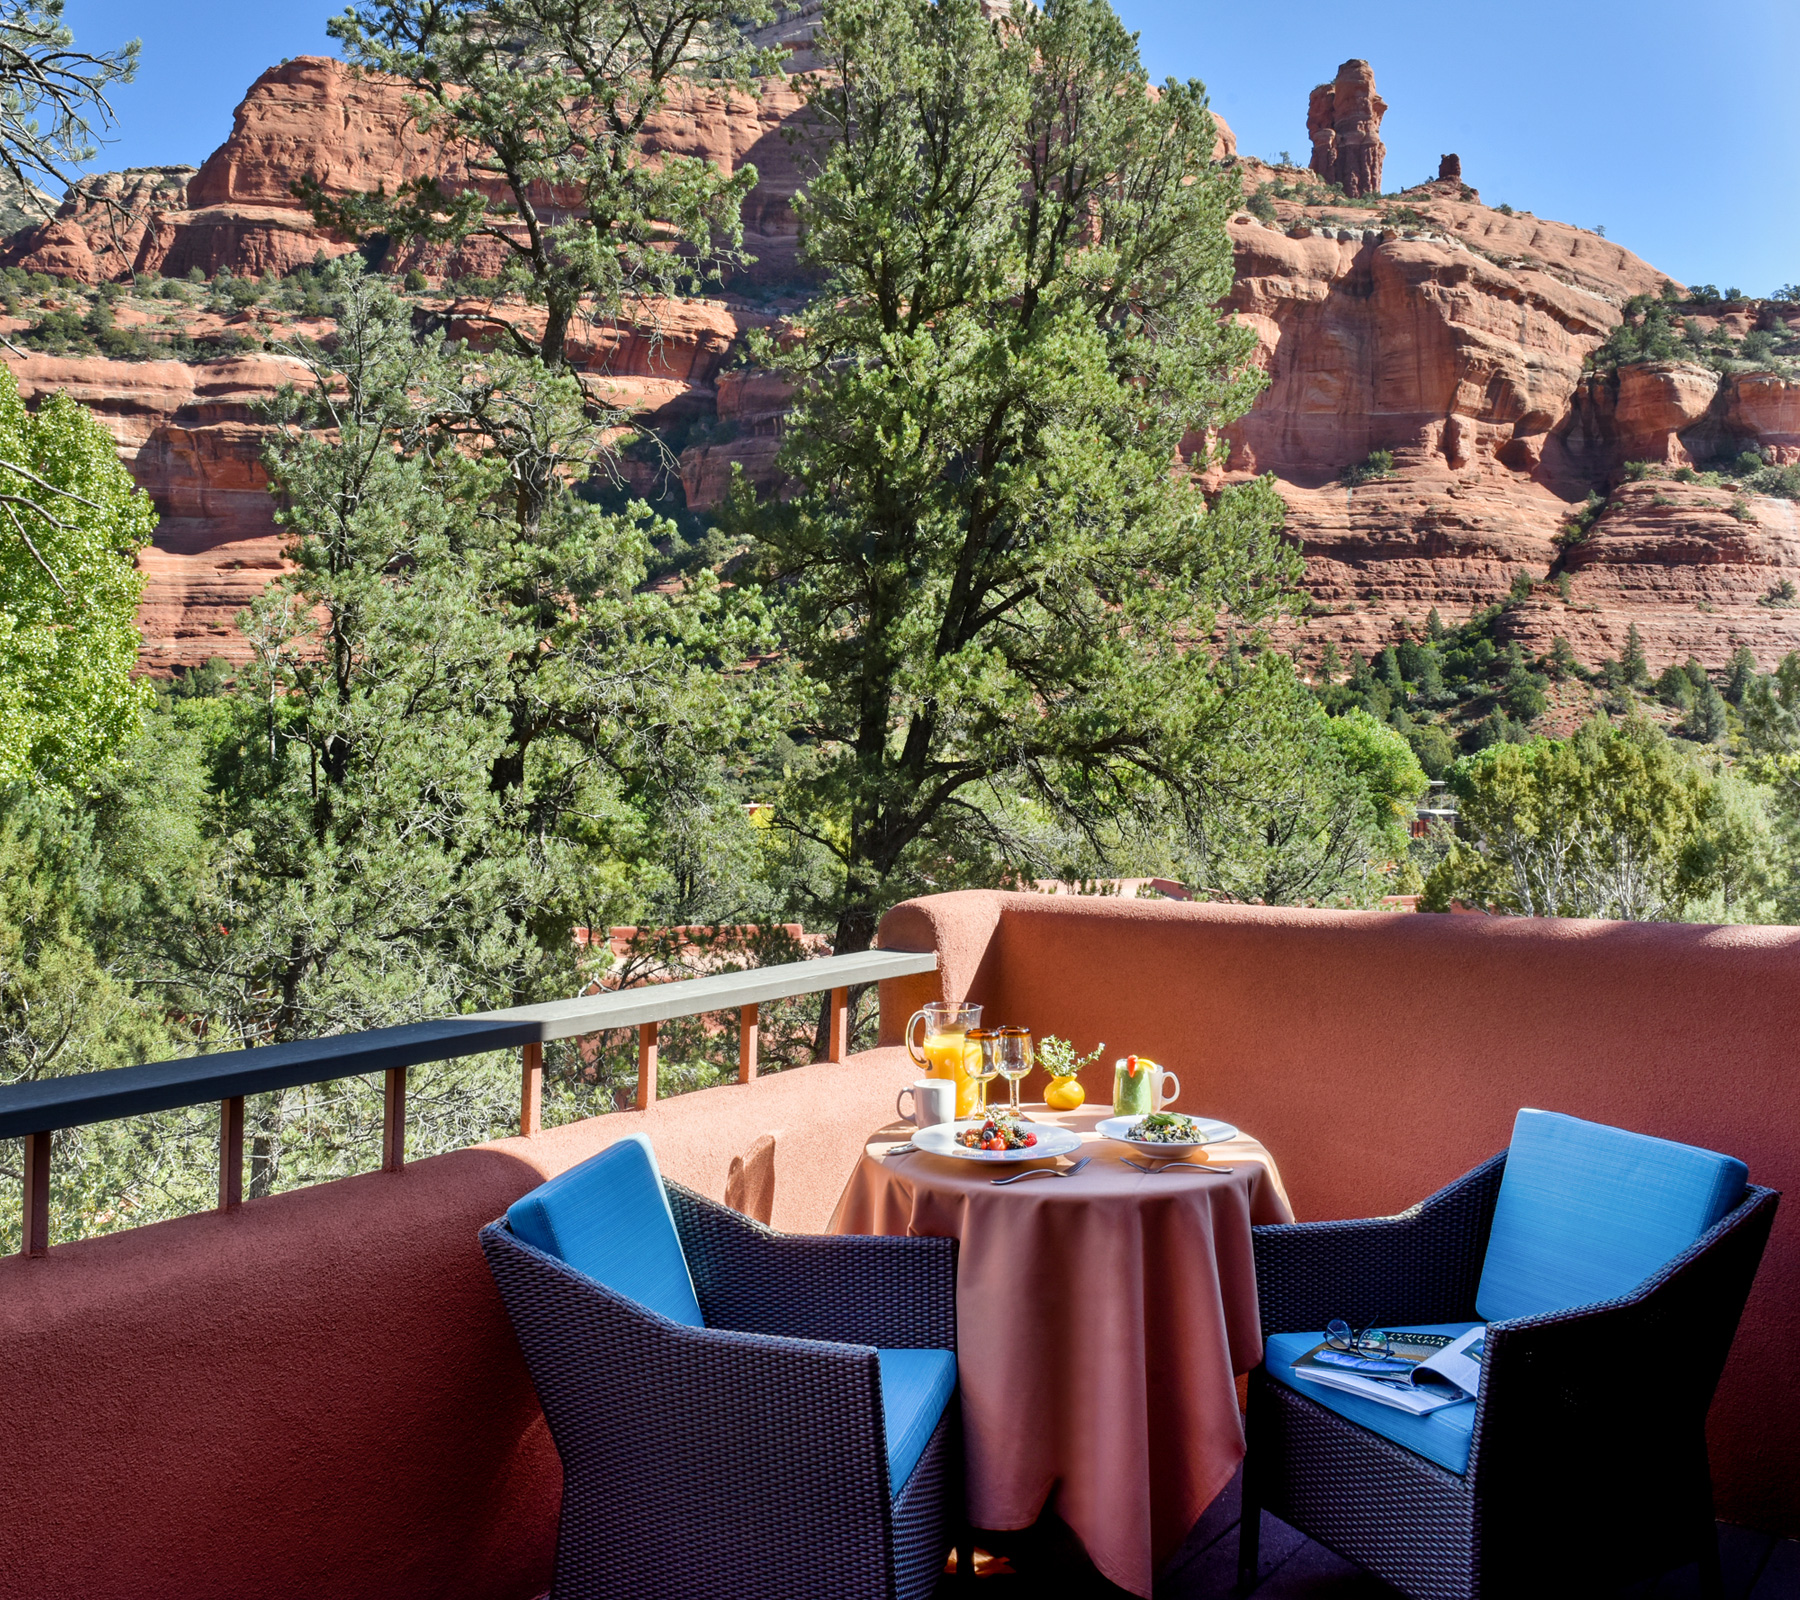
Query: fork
{"x": 1171, "y": 1166}
{"x": 1042, "y": 1172}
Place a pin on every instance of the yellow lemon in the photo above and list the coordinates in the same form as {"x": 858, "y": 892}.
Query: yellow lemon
{"x": 1064, "y": 1094}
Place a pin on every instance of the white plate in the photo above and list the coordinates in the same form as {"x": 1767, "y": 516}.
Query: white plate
{"x": 1122, "y": 1129}
{"x": 940, "y": 1140}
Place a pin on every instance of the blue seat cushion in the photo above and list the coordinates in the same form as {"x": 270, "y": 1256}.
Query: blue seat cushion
{"x": 1441, "y": 1436}
{"x": 610, "y": 1218}
{"x": 1587, "y": 1213}
{"x": 915, "y": 1387}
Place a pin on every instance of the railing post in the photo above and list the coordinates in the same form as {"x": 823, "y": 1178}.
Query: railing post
{"x": 231, "y": 1152}
{"x": 646, "y": 1065}
{"x": 840, "y": 1025}
{"x": 34, "y": 1220}
{"x": 747, "y": 1040}
{"x": 393, "y": 1121}
{"x": 531, "y": 1099}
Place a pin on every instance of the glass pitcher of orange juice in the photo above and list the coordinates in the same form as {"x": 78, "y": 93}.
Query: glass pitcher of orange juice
{"x": 947, "y": 1048}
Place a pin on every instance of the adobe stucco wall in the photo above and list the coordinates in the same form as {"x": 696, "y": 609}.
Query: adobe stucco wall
{"x": 1378, "y": 1056}
{"x": 319, "y": 1395}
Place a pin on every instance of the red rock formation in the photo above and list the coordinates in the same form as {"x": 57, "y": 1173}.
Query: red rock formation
{"x": 1449, "y": 334}
{"x": 189, "y": 436}
{"x": 98, "y": 231}
{"x": 1343, "y": 119}
{"x": 353, "y": 132}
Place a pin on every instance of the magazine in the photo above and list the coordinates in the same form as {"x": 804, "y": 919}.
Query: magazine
{"x": 1424, "y": 1372}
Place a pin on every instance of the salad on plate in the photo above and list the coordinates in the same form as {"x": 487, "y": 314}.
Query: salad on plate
{"x": 1000, "y": 1131}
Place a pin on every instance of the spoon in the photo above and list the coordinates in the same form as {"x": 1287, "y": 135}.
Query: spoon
{"x": 1042, "y": 1172}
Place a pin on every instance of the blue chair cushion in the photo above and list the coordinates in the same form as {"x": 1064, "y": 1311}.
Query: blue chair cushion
{"x": 1587, "y": 1213}
{"x": 915, "y": 1388}
{"x": 610, "y": 1218}
{"x": 1441, "y": 1436}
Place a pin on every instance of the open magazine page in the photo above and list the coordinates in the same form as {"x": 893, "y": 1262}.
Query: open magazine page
{"x": 1421, "y": 1374}
{"x": 1458, "y": 1363}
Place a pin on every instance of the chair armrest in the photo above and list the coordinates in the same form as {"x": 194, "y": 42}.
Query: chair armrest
{"x": 894, "y": 1293}
{"x": 1618, "y": 1391}
{"x": 652, "y": 1412}
{"x": 1421, "y": 1266}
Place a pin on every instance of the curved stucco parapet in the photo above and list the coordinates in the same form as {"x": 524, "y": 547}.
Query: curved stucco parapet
{"x": 319, "y": 1393}
{"x": 1379, "y": 1055}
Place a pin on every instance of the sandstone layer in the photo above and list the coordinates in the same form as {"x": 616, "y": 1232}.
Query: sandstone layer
{"x": 189, "y": 435}
{"x": 1450, "y": 335}
{"x": 355, "y": 132}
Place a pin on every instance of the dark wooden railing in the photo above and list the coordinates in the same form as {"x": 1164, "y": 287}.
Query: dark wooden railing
{"x": 34, "y": 1111}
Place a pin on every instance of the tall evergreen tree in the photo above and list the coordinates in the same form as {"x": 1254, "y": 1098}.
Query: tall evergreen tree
{"x": 992, "y": 572}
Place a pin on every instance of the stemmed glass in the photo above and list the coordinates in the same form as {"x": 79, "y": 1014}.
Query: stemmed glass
{"x": 984, "y": 1062}
{"x": 1015, "y": 1059}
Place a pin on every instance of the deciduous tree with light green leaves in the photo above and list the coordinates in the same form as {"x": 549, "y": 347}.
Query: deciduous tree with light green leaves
{"x": 1614, "y": 822}
{"x": 71, "y": 524}
{"x": 994, "y": 570}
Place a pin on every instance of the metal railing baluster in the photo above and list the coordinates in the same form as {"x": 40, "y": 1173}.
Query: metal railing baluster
{"x": 646, "y": 1085}
{"x": 531, "y": 1097}
{"x": 748, "y": 1030}
{"x": 34, "y": 1221}
{"x": 840, "y": 1026}
{"x": 393, "y": 1121}
{"x": 231, "y": 1152}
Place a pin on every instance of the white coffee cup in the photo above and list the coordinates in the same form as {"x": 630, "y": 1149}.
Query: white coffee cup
{"x": 934, "y": 1101}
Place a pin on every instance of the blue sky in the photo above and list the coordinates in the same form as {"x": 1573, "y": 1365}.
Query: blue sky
{"x": 1670, "y": 125}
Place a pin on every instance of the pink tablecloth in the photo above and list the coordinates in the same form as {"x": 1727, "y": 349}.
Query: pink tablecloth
{"x": 1101, "y": 1320}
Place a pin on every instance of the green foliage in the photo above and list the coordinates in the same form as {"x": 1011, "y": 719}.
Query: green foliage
{"x": 1740, "y": 674}
{"x": 71, "y": 524}
{"x": 1524, "y": 691}
{"x": 551, "y": 97}
{"x": 1433, "y": 748}
{"x": 1614, "y": 822}
{"x": 1634, "y": 665}
{"x": 52, "y": 95}
{"x": 1374, "y": 467}
{"x": 1307, "y": 808}
{"x": 987, "y": 571}
{"x": 1581, "y": 524}
{"x": 1261, "y": 204}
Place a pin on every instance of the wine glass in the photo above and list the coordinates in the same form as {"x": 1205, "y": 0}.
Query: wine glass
{"x": 984, "y": 1063}
{"x": 1015, "y": 1059}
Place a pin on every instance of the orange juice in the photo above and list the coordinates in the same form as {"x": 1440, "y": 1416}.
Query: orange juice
{"x": 949, "y": 1055}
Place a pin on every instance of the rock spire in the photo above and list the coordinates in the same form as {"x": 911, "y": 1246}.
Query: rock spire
{"x": 1344, "y": 121}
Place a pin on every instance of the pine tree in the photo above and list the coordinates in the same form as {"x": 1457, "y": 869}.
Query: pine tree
{"x": 1740, "y": 674}
{"x": 1435, "y": 630}
{"x": 1634, "y": 663}
{"x": 988, "y": 572}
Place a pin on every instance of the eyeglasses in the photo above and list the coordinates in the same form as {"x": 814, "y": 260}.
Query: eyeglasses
{"x": 1339, "y": 1335}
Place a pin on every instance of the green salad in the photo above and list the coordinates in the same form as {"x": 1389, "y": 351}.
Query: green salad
{"x": 1167, "y": 1127}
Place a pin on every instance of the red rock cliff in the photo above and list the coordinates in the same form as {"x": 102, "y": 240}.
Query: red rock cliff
{"x": 1449, "y": 334}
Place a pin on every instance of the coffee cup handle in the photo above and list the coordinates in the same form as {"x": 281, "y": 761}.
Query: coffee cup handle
{"x": 1170, "y": 1095}
{"x": 900, "y": 1111}
{"x": 911, "y": 1048}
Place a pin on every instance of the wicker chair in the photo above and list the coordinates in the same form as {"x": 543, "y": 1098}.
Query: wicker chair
{"x": 743, "y": 1448}
{"x": 1586, "y": 1447}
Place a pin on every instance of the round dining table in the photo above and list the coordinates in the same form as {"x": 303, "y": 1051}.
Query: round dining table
{"x": 1101, "y": 1319}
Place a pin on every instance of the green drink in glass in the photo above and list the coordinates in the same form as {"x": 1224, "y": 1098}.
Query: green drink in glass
{"x": 1140, "y": 1086}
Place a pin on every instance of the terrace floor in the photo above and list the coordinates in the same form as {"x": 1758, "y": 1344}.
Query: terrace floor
{"x": 1046, "y": 1561}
